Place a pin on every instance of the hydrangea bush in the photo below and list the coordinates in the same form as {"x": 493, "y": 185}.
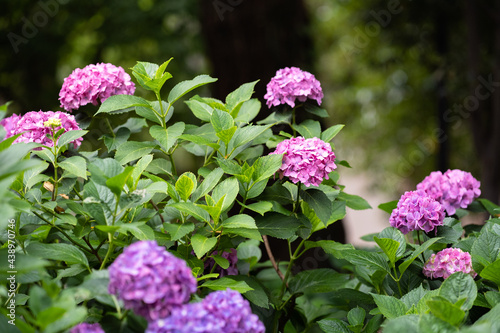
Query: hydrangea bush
{"x": 117, "y": 239}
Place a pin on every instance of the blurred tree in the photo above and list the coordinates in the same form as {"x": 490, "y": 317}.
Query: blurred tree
{"x": 409, "y": 86}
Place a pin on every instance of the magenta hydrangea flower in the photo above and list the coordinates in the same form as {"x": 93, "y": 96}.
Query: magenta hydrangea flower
{"x": 231, "y": 256}
{"x": 87, "y": 328}
{"x": 448, "y": 261}
{"x": 92, "y": 83}
{"x": 34, "y": 126}
{"x": 221, "y": 311}
{"x": 454, "y": 189}
{"x": 308, "y": 161}
{"x": 417, "y": 211}
{"x": 291, "y": 83}
{"x": 150, "y": 280}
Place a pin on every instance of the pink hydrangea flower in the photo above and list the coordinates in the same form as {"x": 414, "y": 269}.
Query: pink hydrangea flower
{"x": 448, "y": 261}
{"x": 94, "y": 82}
{"x": 33, "y": 128}
{"x": 454, "y": 189}
{"x": 417, "y": 211}
{"x": 291, "y": 83}
{"x": 87, "y": 328}
{"x": 308, "y": 161}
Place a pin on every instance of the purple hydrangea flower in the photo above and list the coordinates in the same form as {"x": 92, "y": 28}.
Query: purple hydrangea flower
{"x": 221, "y": 311}
{"x": 33, "y": 124}
{"x": 291, "y": 83}
{"x": 417, "y": 211}
{"x": 308, "y": 161}
{"x": 231, "y": 256}
{"x": 448, "y": 261}
{"x": 87, "y": 328}
{"x": 150, "y": 280}
{"x": 94, "y": 82}
{"x": 454, "y": 189}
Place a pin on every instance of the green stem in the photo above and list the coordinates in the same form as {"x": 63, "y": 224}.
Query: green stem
{"x": 110, "y": 127}
{"x": 110, "y": 250}
{"x": 62, "y": 232}
{"x": 420, "y": 243}
{"x": 118, "y": 310}
{"x": 396, "y": 278}
{"x": 295, "y": 207}
{"x": 174, "y": 169}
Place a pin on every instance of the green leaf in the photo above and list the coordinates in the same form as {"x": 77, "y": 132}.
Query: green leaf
{"x": 260, "y": 207}
{"x": 388, "y": 207}
{"x": 75, "y": 165}
{"x": 492, "y": 272}
{"x": 69, "y": 136}
{"x": 231, "y": 167}
{"x": 150, "y": 113}
{"x": 140, "y": 167}
{"x": 248, "y": 111}
{"x": 316, "y": 110}
{"x": 133, "y": 150}
{"x": 395, "y": 234}
{"x": 184, "y": 87}
{"x": 208, "y": 184}
{"x": 140, "y": 230}
{"x": 459, "y": 286}
{"x": 258, "y": 295}
{"x": 201, "y": 244}
{"x": 333, "y": 326}
{"x": 228, "y": 188}
{"x": 416, "y": 253}
{"x": 389, "y": 246}
{"x": 227, "y": 134}
{"x": 246, "y": 134}
{"x": 277, "y": 225}
{"x": 199, "y": 141}
{"x": 160, "y": 166}
{"x": 414, "y": 296}
{"x": 58, "y": 251}
{"x": 266, "y": 166}
{"x": 178, "y": 230}
{"x": 354, "y": 201}
{"x": 185, "y": 185}
{"x": 320, "y": 280}
{"x": 407, "y": 324}
{"x": 446, "y": 311}
{"x": 356, "y": 316}
{"x": 486, "y": 246}
{"x": 240, "y": 221}
{"x": 242, "y": 94}
{"x": 121, "y": 102}
{"x": 368, "y": 259}
{"x": 319, "y": 202}
{"x": 309, "y": 129}
{"x": 190, "y": 208}
{"x": 117, "y": 183}
{"x": 200, "y": 110}
{"x": 390, "y": 306}
{"x": 34, "y": 176}
{"x": 331, "y": 132}
{"x": 329, "y": 246}
{"x": 492, "y": 208}
{"x": 167, "y": 137}
{"x": 221, "y": 121}
{"x": 226, "y": 282}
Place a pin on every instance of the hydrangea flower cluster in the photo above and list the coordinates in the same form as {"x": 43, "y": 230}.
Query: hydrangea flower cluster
{"x": 221, "y": 311}
{"x": 308, "y": 161}
{"x": 150, "y": 280}
{"x": 417, "y": 211}
{"x": 231, "y": 256}
{"x": 448, "y": 261}
{"x": 94, "y": 82}
{"x": 35, "y": 125}
{"x": 87, "y": 328}
{"x": 291, "y": 83}
{"x": 454, "y": 189}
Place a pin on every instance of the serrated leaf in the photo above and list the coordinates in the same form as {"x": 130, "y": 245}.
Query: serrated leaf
{"x": 316, "y": 110}
{"x": 333, "y": 326}
{"x": 277, "y": 225}
{"x": 191, "y": 209}
{"x": 69, "y": 136}
{"x": 240, "y": 221}
{"x": 367, "y": 259}
{"x": 446, "y": 311}
{"x": 329, "y": 246}
{"x": 201, "y": 244}
{"x": 133, "y": 150}
{"x": 266, "y": 166}
{"x": 309, "y": 129}
{"x": 117, "y": 183}
{"x": 185, "y": 185}
{"x": 395, "y": 234}
{"x": 390, "y": 306}
{"x": 58, "y": 251}
{"x": 416, "y": 253}
{"x": 228, "y": 188}
{"x": 167, "y": 137}
{"x": 140, "y": 230}
{"x": 237, "y": 97}
{"x": 185, "y": 87}
{"x": 486, "y": 246}
{"x": 260, "y": 207}
{"x": 208, "y": 184}
{"x": 319, "y": 280}
{"x": 356, "y": 316}
{"x": 178, "y": 230}
{"x": 328, "y": 134}
{"x": 200, "y": 110}
{"x": 121, "y": 102}
{"x": 226, "y": 282}
{"x": 75, "y": 165}
{"x": 389, "y": 246}
{"x": 248, "y": 111}
{"x": 492, "y": 272}
{"x": 319, "y": 202}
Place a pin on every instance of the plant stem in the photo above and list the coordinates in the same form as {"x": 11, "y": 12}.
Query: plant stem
{"x": 396, "y": 278}
{"x": 420, "y": 243}
{"x": 108, "y": 253}
{"x": 174, "y": 169}
{"x": 271, "y": 257}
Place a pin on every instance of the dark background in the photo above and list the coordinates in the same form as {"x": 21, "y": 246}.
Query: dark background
{"x": 416, "y": 82}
